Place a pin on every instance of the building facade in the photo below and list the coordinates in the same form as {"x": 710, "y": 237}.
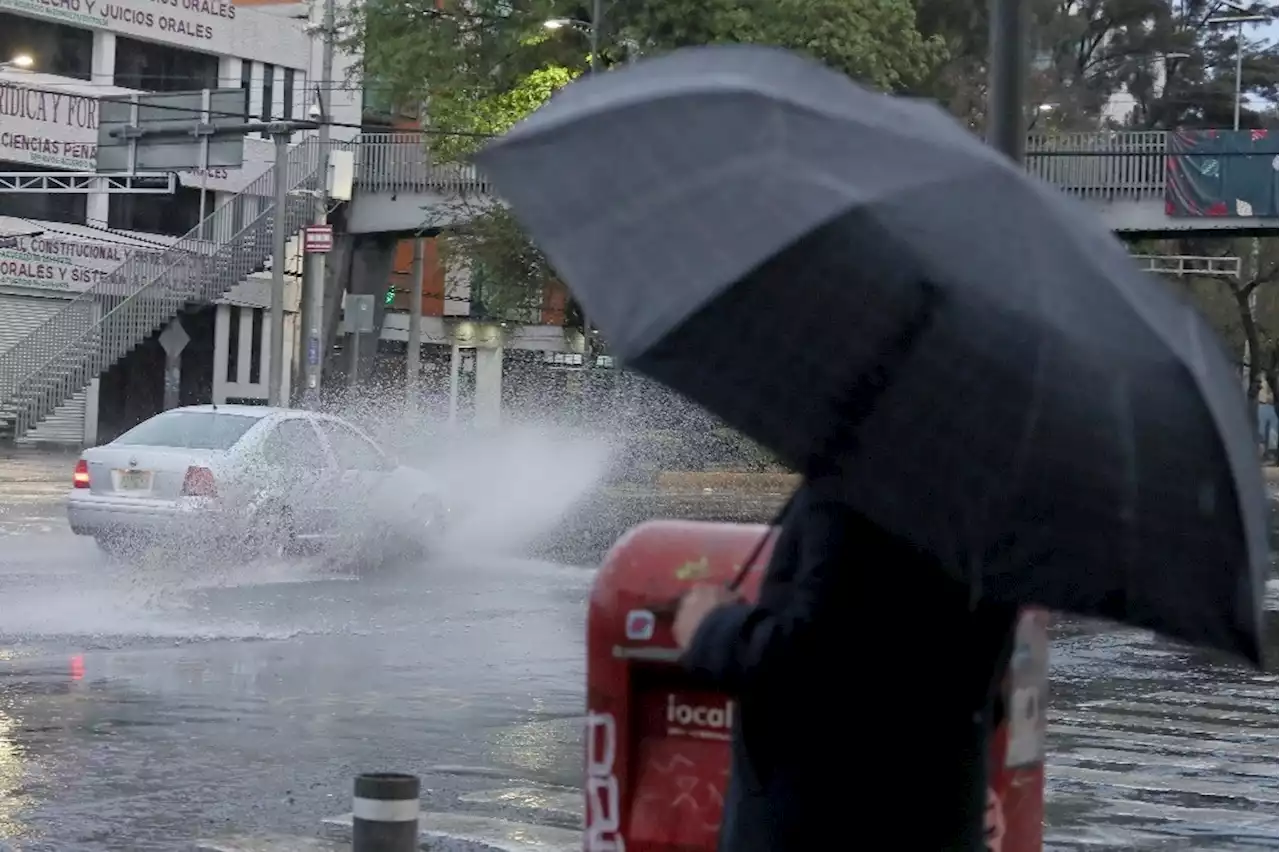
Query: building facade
{"x": 57, "y": 59}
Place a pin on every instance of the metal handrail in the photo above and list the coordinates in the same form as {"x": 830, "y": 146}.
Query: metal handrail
{"x": 1127, "y": 165}
{"x": 401, "y": 162}
{"x": 1103, "y": 164}
{"x": 103, "y": 323}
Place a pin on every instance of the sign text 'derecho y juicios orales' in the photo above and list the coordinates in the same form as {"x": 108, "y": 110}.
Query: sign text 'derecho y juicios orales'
{"x": 171, "y": 20}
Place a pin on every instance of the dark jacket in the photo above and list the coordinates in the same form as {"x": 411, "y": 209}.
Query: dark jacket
{"x": 847, "y": 673}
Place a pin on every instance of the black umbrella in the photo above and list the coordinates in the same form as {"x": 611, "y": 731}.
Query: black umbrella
{"x": 853, "y": 279}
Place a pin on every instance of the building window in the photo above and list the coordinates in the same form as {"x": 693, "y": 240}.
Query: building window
{"x": 160, "y": 68}
{"x": 288, "y": 93}
{"x": 56, "y": 48}
{"x": 246, "y": 83}
{"x": 174, "y": 215}
{"x": 69, "y": 208}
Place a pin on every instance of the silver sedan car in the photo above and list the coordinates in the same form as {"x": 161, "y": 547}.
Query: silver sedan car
{"x": 268, "y": 480}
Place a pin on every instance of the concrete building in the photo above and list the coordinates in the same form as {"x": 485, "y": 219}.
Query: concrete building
{"x": 56, "y": 60}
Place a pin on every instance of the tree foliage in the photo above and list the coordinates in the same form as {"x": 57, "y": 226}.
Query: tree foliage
{"x": 1160, "y": 59}
{"x": 481, "y": 65}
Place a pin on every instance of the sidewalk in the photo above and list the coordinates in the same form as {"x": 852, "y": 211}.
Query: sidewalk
{"x": 35, "y": 477}
{"x": 437, "y": 831}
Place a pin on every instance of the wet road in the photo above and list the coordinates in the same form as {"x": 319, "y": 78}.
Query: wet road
{"x": 142, "y": 710}
{"x": 1155, "y": 748}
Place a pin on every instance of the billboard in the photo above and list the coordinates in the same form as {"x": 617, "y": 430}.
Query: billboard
{"x": 46, "y": 122}
{"x": 67, "y": 258}
{"x": 48, "y": 127}
{"x": 205, "y": 25}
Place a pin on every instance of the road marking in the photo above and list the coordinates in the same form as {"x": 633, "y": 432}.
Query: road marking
{"x": 1162, "y": 710}
{"x": 1262, "y": 698}
{"x": 271, "y": 843}
{"x": 1202, "y": 730}
{"x": 1165, "y": 742}
{"x": 499, "y": 835}
{"x": 1210, "y": 762}
{"x": 1176, "y": 784}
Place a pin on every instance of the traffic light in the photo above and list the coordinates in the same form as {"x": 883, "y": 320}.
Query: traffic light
{"x": 390, "y": 297}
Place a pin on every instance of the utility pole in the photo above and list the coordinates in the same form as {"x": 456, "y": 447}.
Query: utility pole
{"x": 413, "y": 356}
{"x": 280, "y": 133}
{"x": 1006, "y": 92}
{"x": 593, "y": 34}
{"x": 1239, "y": 20}
{"x": 593, "y": 39}
{"x": 313, "y": 282}
{"x": 593, "y": 29}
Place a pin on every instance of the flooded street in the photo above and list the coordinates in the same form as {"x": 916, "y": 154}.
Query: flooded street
{"x": 1153, "y": 747}
{"x": 145, "y": 709}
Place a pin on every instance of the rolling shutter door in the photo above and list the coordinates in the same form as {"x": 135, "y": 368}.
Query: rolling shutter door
{"x": 19, "y": 316}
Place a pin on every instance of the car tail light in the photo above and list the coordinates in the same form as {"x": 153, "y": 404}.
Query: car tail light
{"x": 80, "y": 479}
{"x": 199, "y": 482}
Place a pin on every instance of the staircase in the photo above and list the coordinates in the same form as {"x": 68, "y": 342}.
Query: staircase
{"x": 107, "y": 321}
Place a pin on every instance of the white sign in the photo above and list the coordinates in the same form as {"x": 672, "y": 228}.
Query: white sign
{"x": 317, "y": 239}
{"x": 700, "y": 721}
{"x": 64, "y": 259}
{"x": 57, "y": 129}
{"x": 51, "y": 124}
{"x": 198, "y": 24}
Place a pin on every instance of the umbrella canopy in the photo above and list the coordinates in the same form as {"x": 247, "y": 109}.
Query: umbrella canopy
{"x": 855, "y": 281}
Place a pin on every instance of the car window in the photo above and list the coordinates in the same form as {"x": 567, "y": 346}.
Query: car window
{"x": 352, "y": 450}
{"x": 293, "y": 444}
{"x": 191, "y": 430}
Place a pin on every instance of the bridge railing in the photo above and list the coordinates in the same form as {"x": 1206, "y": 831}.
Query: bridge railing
{"x": 400, "y": 163}
{"x": 1103, "y": 166}
{"x": 1106, "y": 165}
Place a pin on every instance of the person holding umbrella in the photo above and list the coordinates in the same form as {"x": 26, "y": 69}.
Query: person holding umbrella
{"x": 830, "y": 723}
{"x": 815, "y": 263}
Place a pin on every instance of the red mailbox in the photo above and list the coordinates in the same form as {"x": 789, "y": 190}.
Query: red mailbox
{"x": 657, "y": 741}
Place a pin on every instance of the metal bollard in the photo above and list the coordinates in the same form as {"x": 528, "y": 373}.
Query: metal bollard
{"x": 384, "y": 814}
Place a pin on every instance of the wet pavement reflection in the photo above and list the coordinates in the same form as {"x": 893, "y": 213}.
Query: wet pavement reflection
{"x": 143, "y": 709}
{"x": 1154, "y": 747}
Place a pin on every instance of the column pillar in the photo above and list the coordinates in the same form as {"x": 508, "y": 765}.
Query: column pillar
{"x": 103, "y": 70}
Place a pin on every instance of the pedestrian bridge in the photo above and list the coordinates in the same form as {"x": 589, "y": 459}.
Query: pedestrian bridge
{"x": 1140, "y": 182}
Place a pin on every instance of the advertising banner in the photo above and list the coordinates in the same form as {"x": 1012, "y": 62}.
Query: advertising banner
{"x": 46, "y": 121}
{"x": 67, "y": 258}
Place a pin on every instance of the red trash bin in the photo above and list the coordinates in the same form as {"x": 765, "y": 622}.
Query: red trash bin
{"x": 657, "y": 741}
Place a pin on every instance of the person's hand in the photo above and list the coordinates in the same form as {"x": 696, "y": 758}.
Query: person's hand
{"x": 694, "y": 607}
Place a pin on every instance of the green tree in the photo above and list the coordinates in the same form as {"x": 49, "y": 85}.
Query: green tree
{"x": 1159, "y": 58}
{"x": 479, "y": 67}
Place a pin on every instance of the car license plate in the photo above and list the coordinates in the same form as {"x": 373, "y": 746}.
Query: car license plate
{"x": 133, "y": 480}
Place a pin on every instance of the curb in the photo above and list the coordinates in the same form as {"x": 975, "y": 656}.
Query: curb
{"x": 459, "y": 832}
{"x": 271, "y": 844}
{"x": 730, "y": 481}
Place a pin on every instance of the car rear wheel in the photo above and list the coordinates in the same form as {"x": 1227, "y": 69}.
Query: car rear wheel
{"x": 116, "y": 546}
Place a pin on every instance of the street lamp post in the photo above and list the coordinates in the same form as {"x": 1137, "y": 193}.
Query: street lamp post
{"x": 1239, "y": 21}
{"x": 592, "y": 29}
